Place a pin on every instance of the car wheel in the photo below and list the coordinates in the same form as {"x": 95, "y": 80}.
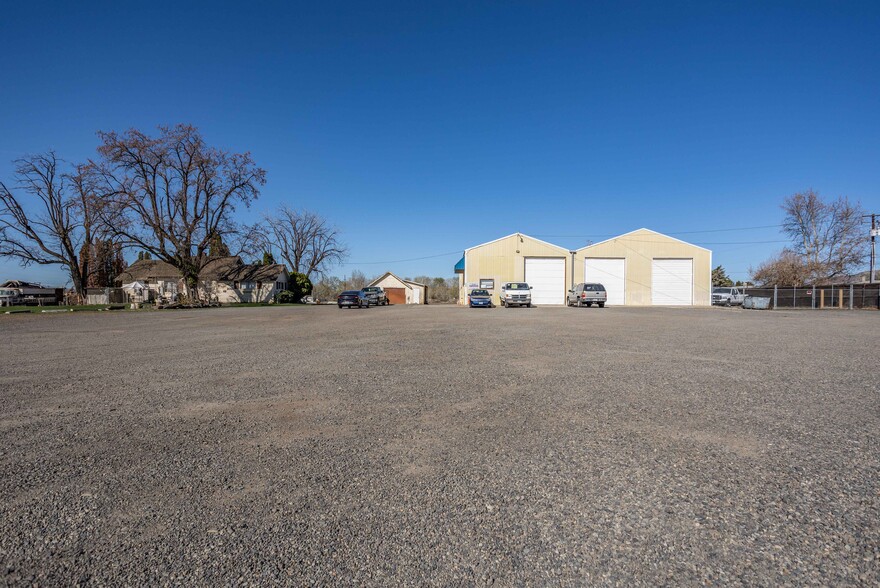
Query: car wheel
{"x": 580, "y": 303}
{"x": 529, "y": 305}
{"x": 601, "y": 304}
{"x": 340, "y": 306}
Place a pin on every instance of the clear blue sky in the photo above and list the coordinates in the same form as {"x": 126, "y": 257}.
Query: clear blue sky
{"x": 423, "y": 129}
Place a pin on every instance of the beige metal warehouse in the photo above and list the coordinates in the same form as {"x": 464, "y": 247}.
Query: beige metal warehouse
{"x": 516, "y": 258}
{"x": 644, "y": 268}
{"x": 640, "y": 268}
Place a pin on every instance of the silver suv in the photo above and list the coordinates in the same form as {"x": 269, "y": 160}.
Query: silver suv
{"x": 586, "y": 295}
{"x": 516, "y": 294}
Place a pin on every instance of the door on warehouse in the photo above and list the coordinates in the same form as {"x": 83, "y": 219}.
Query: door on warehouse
{"x": 546, "y": 276}
{"x": 611, "y": 273}
{"x": 672, "y": 282}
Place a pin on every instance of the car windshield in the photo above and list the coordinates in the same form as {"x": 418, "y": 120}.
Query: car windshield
{"x": 721, "y": 290}
{"x": 479, "y": 292}
{"x": 350, "y": 293}
{"x": 372, "y": 289}
{"x": 7, "y": 293}
{"x": 517, "y": 286}
{"x": 594, "y": 287}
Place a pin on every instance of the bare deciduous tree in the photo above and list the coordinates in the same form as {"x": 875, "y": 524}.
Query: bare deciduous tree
{"x": 305, "y": 241}
{"x": 52, "y": 219}
{"x": 786, "y": 269}
{"x": 828, "y": 235}
{"x": 173, "y": 194}
{"x": 828, "y": 242}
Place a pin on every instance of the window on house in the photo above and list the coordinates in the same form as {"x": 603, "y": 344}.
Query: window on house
{"x": 259, "y": 285}
{"x": 235, "y": 284}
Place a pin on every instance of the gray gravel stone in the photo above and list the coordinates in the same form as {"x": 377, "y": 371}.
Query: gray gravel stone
{"x": 440, "y": 445}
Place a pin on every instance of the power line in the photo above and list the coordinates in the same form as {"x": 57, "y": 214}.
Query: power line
{"x": 456, "y": 252}
{"x": 744, "y": 242}
{"x": 598, "y": 236}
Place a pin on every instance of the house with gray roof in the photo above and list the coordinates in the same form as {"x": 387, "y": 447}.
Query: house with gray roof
{"x": 222, "y": 279}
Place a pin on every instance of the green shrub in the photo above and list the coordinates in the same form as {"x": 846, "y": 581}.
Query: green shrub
{"x": 285, "y": 297}
{"x": 300, "y": 285}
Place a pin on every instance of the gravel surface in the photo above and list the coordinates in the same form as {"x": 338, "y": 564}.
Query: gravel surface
{"x": 440, "y": 445}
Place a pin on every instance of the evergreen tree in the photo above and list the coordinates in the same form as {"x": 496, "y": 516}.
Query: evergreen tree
{"x": 720, "y": 277}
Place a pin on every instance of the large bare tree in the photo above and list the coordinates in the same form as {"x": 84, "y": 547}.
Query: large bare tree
{"x": 827, "y": 234}
{"x": 828, "y": 242}
{"x": 174, "y": 195}
{"x": 305, "y": 241}
{"x": 51, "y": 217}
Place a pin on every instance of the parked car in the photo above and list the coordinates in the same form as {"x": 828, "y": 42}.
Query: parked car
{"x": 516, "y": 294}
{"x": 351, "y": 298}
{"x": 480, "y": 299}
{"x": 728, "y": 296}
{"x": 587, "y": 295}
{"x": 377, "y": 295}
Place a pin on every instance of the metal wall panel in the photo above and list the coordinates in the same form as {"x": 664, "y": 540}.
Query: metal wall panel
{"x": 503, "y": 260}
{"x": 640, "y": 248}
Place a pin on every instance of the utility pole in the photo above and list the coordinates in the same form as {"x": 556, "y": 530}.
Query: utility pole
{"x": 875, "y": 232}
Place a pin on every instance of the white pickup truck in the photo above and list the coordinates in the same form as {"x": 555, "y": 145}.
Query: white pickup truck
{"x": 728, "y": 296}
{"x": 516, "y": 294}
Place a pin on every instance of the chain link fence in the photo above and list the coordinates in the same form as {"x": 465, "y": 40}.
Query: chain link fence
{"x": 837, "y": 296}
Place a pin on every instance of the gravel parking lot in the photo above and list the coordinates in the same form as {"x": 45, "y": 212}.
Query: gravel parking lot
{"x": 440, "y": 445}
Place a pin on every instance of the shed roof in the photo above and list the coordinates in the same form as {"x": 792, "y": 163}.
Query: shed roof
{"x": 385, "y": 275}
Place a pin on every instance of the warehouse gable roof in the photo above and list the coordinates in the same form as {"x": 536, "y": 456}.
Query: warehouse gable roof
{"x": 406, "y": 283}
{"x": 643, "y": 230}
{"x": 516, "y": 235}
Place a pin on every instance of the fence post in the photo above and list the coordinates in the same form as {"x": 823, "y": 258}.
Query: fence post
{"x": 840, "y": 298}
{"x": 850, "y": 296}
{"x": 794, "y": 298}
{"x": 813, "y": 298}
{"x": 775, "y": 295}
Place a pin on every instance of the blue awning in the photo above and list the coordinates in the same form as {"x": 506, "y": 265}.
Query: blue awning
{"x": 459, "y": 267}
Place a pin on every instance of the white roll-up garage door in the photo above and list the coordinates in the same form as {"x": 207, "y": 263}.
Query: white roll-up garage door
{"x": 672, "y": 282}
{"x": 546, "y": 276}
{"x": 611, "y": 273}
